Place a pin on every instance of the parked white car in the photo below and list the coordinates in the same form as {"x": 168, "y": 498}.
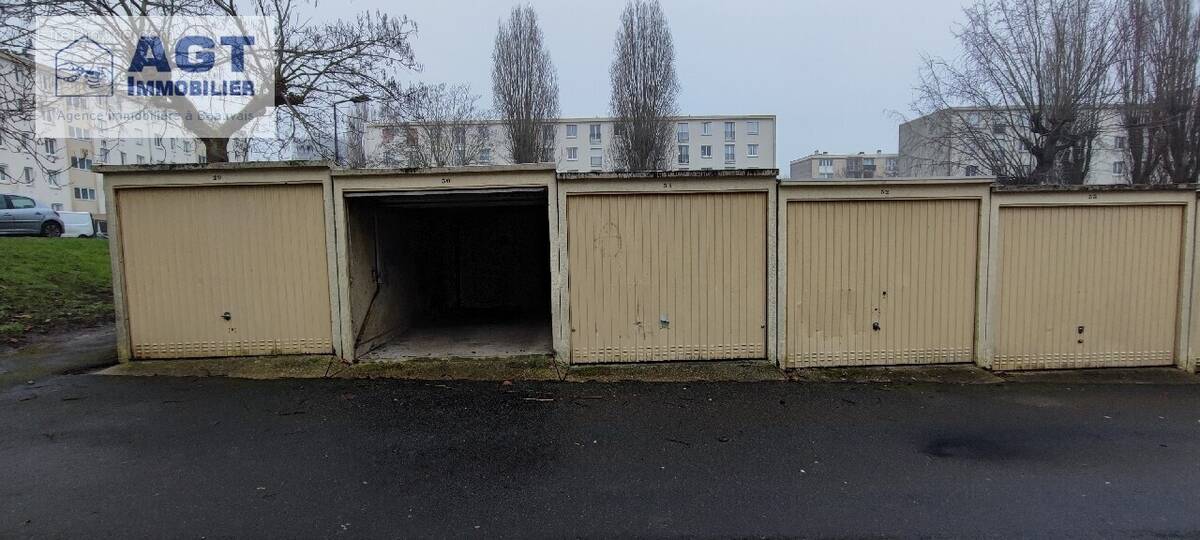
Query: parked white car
{"x": 78, "y": 224}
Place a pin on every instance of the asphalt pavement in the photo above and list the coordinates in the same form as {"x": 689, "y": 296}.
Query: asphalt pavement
{"x": 164, "y": 457}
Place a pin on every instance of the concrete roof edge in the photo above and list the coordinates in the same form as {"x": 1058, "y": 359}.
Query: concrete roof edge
{"x": 891, "y": 181}
{"x": 1001, "y": 188}
{"x": 470, "y": 169}
{"x": 649, "y": 175}
{"x": 222, "y": 166}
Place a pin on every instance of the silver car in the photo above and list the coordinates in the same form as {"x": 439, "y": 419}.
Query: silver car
{"x": 23, "y": 215}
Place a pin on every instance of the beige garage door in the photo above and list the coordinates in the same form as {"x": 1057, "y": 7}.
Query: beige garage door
{"x": 1088, "y": 286}
{"x": 193, "y": 255}
{"x": 881, "y": 282}
{"x": 667, "y": 277}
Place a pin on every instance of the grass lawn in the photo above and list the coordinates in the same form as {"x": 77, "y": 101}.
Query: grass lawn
{"x": 49, "y": 284}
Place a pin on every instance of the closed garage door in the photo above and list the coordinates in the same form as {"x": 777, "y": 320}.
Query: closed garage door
{"x": 881, "y": 282}
{"x": 225, "y": 271}
{"x": 667, "y": 277}
{"x": 1088, "y": 286}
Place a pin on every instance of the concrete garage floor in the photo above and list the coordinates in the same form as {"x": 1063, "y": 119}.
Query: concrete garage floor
{"x": 480, "y": 340}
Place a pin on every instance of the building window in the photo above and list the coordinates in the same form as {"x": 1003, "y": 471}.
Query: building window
{"x": 3, "y": 172}
{"x": 594, "y": 133}
{"x": 52, "y": 178}
{"x": 706, "y": 128}
{"x": 751, "y": 150}
{"x": 1119, "y": 143}
{"x": 51, "y": 146}
{"x": 122, "y": 158}
{"x": 681, "y": 132}
{"x": 85, "y": 194}
{"x": 973, "y": 119}
{"x": 730, "y": 131}
{"x": 137, "y": 134}
{"x": 27, "y": 174}
{"x": 752, "y": 127}
{"x": 141, "y": 159}
{"x": 730, "y": 153}
{"x": 824, "y": 162}
{"x": 998, "y": 129}
{"x": 201, "y": 158}
{"x": 706, "y": 151}
{"x": 892, "y": 166}
{"x": 972, "y": 170}
{"x": 572, "y": 131}
{"x": 1118, "y": 167}
{"x": 485, "y": 155}
{"x": 81, "y": 163}
{"x": 572, "y": 153}
{"x": 172, "y": 144}
{"x": 684, "y": 156}
{"x": 597, "y": 162}
{"x": 158, "y": 141}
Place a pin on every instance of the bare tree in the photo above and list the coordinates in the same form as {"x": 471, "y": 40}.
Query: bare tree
{"x": 524, "y": 87}
{"x": 439, "y": 126}
{"x": 317, "y": 63}
{"x": 644, "y": 88}
{"x": 1027, "y": 97}
{"x": 355, "y": 152}
{"x": 18, "y": 77}
{"x": 1142, "y": 156}
{"x": 1171, "y": 58}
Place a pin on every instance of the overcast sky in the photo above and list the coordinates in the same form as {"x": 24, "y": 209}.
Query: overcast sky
{"x": 831, "y": 71}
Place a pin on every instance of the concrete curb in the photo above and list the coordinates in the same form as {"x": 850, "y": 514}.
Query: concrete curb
{"x": 543, "y": 368}
{"x": 533, "y": 368}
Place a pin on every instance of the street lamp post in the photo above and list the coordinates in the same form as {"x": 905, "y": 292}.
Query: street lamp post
{"x": 337, "y": 154}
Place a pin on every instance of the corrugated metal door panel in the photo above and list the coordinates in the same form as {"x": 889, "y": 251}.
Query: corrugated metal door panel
{"x": 256, "y": 252}
{"x": 1088, "y": 286}
{"x": 657, "y": 277}
{"x": 881, "y": 282}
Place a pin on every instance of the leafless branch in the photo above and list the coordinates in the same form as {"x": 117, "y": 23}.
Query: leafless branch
{"x": 644, "y": 88}
{"x": 524, "y": 87}
{"x": 1026, "y": 98}
{"x": 438, "y": 126}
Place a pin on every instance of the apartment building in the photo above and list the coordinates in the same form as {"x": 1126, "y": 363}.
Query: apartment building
{"x": 825, "y": 166}
{"x": 940, "y": 145}
{"x": 585, "y": 144}
{"x": 58, "y": 172}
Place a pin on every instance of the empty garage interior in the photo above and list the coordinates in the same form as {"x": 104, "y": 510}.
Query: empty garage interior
{"x": 449, "y": 274}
